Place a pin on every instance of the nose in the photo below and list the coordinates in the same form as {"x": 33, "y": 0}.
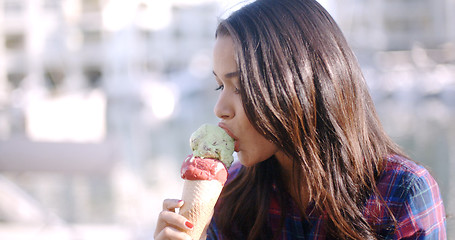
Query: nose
{"x": 223, "y": 107}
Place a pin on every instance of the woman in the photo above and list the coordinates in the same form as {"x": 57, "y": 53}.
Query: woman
{"x": 315, "y": 160}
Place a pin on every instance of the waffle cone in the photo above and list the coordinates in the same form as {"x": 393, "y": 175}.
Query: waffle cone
{"x": 199, "y": 198}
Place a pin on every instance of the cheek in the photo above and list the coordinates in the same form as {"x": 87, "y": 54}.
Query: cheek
{"x": 254, "y": 148}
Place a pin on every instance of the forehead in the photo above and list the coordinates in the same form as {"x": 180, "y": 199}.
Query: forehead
{"x": 224, "y": 56}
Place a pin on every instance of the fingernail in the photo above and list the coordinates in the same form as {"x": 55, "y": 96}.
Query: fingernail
{"x": 189, "y": 225}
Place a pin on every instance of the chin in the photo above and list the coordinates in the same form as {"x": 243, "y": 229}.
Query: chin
{"x": 246, "y": 164}
{"x": 244, "y": 160}
{"x": 248, "y": 161}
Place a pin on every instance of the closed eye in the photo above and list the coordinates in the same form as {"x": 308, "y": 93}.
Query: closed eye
{"x": 220, "y": 87}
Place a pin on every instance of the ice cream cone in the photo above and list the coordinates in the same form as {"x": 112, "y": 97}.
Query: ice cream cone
{"x": 199, "y": 198}
{"x": 205, "y": 172}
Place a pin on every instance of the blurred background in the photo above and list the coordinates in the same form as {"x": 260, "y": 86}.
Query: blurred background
{"x": 98, "y": 99}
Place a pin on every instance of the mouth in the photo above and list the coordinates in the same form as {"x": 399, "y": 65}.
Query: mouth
{"x": 236, "y": 143}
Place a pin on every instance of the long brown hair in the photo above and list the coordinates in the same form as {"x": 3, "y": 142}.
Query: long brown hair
{"x": 302, "y": 88}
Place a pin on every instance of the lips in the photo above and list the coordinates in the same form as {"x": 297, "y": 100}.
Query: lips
{"x": 236, "y": 146}
{"x": 236, "y": 143}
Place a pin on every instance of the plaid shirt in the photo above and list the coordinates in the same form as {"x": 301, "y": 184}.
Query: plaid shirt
{"x": 409, "y": 191}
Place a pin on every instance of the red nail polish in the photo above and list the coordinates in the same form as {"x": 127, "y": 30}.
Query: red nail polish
{"x": 189, "y": 225}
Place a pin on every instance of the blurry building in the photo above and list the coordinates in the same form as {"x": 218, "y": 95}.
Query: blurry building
{"x": 68, "y": 46}
{"x": 92, "y": 93}
{"x": 400, "y": 37}
{"x": 397, "y": 24}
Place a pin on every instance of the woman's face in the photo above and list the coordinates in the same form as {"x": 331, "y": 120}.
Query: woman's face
{"x": 251, "y": 146}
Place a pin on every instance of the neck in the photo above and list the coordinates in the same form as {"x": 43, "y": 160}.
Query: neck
{"x": 296, "y": 190}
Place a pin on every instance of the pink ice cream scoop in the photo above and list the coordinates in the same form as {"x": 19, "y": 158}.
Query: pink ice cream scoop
{"x": 196, "y": 168}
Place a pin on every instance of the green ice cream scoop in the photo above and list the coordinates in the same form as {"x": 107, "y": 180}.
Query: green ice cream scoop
{"x": 211, "y": 141}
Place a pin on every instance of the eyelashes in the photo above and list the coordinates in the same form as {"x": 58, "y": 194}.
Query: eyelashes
{"x": 220, "y": 87}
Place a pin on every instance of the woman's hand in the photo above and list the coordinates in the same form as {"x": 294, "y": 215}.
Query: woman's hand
{"x": 170, "y": 224}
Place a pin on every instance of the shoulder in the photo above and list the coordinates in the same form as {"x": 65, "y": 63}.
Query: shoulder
{"x": 403, "y": 179}
{"x": 402, "y": 174}
{"x": 402, "y": 165}
{"x": 413, "y": 195}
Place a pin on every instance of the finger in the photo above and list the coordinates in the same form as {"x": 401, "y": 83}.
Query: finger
{"x": 172, "y": 233}
{"x": 172, "y": 204}
{"x": 167, "y": 218}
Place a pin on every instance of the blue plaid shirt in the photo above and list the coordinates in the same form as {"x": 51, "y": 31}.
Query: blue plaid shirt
{"x": 408, "y": 189}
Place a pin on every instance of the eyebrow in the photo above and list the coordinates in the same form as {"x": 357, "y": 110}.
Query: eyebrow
{"x": 228, "y": 75}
